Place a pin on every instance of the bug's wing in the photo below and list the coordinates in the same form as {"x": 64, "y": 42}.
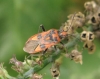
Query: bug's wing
{"x": 30, "y": 46}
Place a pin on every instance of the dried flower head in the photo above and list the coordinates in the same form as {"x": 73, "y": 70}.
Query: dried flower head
{"x": 67, "y": 26}
{"x": 91, "y": 9}
{"x": 55, "y": 72}
{"x": 90, "y": 46}
{"x": 76, "y": 56}
{"x": 17, "y": 69}
{"x": 95, "y": 19}
{"x": 91, "y": 6}
{"x": 87, "y": 36}
{"x": 36, "y": 76}
{"x": 74, "y": 21}
{"x": 79, "y": 19}
{"x": 91, "y": 50}
{"x": 17, "y": 65}
{"x": 88, "y": 6}
{"x": 14, "y": 61}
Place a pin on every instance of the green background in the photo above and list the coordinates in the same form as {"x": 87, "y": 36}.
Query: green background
{"x": 20, "y": 19}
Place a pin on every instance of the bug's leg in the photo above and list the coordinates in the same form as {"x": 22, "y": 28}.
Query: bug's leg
{"x": 44, "y": 51}
{"x": 42, "y": 27}
{"x": 55, "y": 47}
{"x": 40, "y": 58}
{"x": 62, "y": 43}
{"x": 64, "y": 47}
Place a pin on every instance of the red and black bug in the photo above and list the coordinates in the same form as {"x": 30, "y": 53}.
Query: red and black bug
{"x": 42, "y": 41}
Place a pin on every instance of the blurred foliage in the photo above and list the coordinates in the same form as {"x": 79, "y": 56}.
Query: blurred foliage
{"x": 20, "y": 19}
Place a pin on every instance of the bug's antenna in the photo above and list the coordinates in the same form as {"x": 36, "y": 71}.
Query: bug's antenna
{"x": 72, "y": 21}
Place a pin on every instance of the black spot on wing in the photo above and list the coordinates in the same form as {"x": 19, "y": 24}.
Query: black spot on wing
{"x": 55, "y": 39}
{"x": 51, "y": 37}
{"x": 39, "y": 36}
{"x": 42, "y": 46}
{"x": 30, "y": 46}
{"x": 52, "y": 31}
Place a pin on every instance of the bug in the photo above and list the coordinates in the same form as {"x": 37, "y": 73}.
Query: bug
{"x": 42, "y": 41}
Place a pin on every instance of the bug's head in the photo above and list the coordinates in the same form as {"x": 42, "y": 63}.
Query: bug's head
{"x": 62, "y": 34}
